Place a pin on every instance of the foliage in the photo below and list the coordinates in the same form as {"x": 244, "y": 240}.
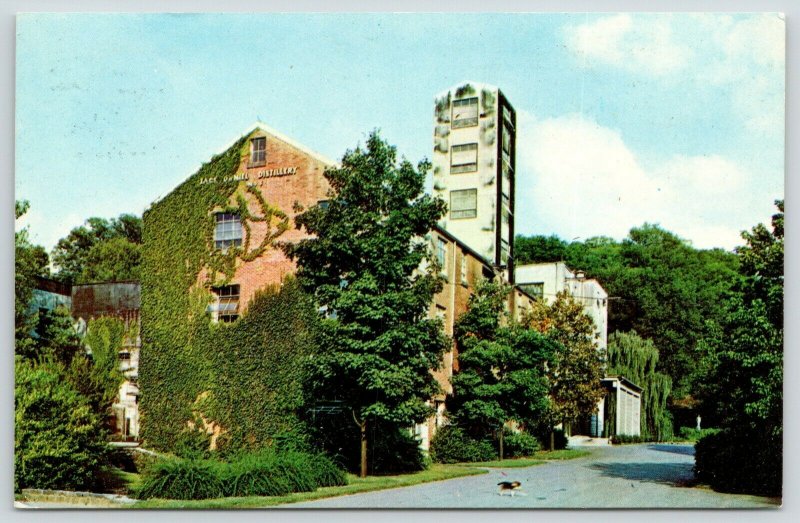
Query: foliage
{"x": 692, "y": 434}
{"x": 560, "y": 440}
{"x": 635, "y": 358}
{"x": 30, "y": 261}
{"x": 735, "y": 461}
{"x": 243, "y": 379}
{"x": 392, "y": 449}
{"x": 182, "y": 479}
{"x": 661, "y": 287}
{"x": 451, "y": 444}
{"x": 58, "y": 440}
{"x": 520, "y": 444}
{"x": 377, "y": 347}
{"x": 501, "y": 374}
{"x": 621, "y": 439}
{"x": 743, "y": 372}
{"x": 98, "y": 376}
{"x": 57, "y": 337}
{"x": 539, "y": 249}
{"x": 575, "y": 373}
{"x": 100, "y": 249}
{"x": 262, "y": 474}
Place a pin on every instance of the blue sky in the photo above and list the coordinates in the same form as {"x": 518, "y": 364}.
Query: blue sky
{"x": 622, "y": 118}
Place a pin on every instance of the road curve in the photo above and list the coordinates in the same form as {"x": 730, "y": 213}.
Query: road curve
{"x": 628, "y": 476}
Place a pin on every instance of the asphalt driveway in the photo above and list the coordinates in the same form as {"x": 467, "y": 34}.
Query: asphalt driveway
{"x": 629, "y": 476}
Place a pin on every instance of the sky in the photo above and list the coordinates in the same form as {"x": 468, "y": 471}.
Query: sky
{"x": 623, "y": 119}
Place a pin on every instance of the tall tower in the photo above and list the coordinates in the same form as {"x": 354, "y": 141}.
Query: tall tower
{"x": 473, "y": 169}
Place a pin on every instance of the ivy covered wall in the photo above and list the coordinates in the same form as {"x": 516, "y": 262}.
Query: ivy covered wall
{"x": 237, "y": 384}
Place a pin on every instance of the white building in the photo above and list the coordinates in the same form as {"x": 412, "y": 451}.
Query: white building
{"x": 621, "y": 407}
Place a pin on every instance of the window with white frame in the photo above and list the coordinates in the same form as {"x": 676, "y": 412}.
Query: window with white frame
{"x": 258, "y": 152}
{"x": 465, "y": 112}
{"x": 536, "y": 290}
{"x": 227, "y": 230}
{"x": 503, "y": 250}
{"x": 464, "y": 204}
{"x": 226, "y": 303}
{"x": 464, "y": 158}
{"x": 464, "y": 276}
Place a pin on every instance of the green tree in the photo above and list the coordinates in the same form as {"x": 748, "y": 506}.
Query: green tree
{"x": 743, "y": 380}
{"x": 662, "y": 288}
{"x": 30, "y": 261}
{"x": 501, "y": 374}
{"x": 97, "y": 375}
{"x": 100, "y": 250}
{"x": 58, "y": 440}
{"x": 539, "y": 249}
{"x": 636, "y": 358}
{"x": 57, "y": 336}
{"x": 577, "y": 369}
{"x": 377, "y": 346}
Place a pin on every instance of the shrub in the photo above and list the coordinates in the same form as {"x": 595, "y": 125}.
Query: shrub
{"x": 396, "y": 451}
{"x": 740, "y": 462}
{"x": 451, "y": 444}
{"x": 266, "y": 473}
{"x": 192, "y": 444}
{"x": 621, "y": 439}
{"x": 519, "y": 444}
{"x": 59, "y": 442}
{"x": 182, "y": 479}
{"x": 692, "y": 434}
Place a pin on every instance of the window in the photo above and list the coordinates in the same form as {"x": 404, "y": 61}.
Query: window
{"x": 226, "y": 304}
{"x": 464, "y": 280}
{"x": 228, "y": 231}
{"x": 465, "y": 112}
{"x": 503, "y": 251}
{"x": 258, "y": 152}
{"x": 441, "y": 254}
{"x": 464, "y": 204}
{"x": 534, "y": 289}
{"x": 464, "y": 158}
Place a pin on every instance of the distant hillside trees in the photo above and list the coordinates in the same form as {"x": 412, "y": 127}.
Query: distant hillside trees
{"x": 660, "y": 286}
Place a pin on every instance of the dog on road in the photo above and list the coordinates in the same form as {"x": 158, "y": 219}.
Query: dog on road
{"x": 509, "y": 486}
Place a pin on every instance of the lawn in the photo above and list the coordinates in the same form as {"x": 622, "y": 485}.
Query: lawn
{"x": 436, "y": 472}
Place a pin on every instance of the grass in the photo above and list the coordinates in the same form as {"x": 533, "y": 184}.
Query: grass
{"x": 356, "y": 485}
{"x": 537, "y": 459}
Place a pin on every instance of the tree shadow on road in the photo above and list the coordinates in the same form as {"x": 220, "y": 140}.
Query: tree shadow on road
{"x": 674, "y": 474}
{"x": 686, "y": 450}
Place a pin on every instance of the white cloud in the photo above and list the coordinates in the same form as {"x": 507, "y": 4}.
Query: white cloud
{"x": 641, "y": 44}
{"x": 744, "y": 56}
{"x": 579, "y": 179}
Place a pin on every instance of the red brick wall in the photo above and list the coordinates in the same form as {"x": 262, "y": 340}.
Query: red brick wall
{"x": 306, "y": 187}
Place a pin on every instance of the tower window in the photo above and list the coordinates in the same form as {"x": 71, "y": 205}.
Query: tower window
{"x": 258, "y": 152}
{"x": 228, "y": 231}
{"x": 464, "y": 204}
{"x": 465, "y": 112}
{"x": 226, "y": 303}
{"x": 464, "y": 158}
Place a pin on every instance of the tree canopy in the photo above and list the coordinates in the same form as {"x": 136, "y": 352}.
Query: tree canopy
{"x": 30, "y": 261}
{"x": 658, "y": 284}
{"x": 501, "y": 374}
{"x": 577, "y": 368}
{"x": 377, "y": 346}
{"x": 100, "y": 250}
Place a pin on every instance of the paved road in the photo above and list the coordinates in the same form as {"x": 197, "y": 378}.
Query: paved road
{"x": 630, "y": 476}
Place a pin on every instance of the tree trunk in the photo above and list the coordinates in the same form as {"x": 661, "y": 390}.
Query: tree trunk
{"x": 552, "y": 440}
{"x": 363, "y": 425}
{"x": 501, "y": 443}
